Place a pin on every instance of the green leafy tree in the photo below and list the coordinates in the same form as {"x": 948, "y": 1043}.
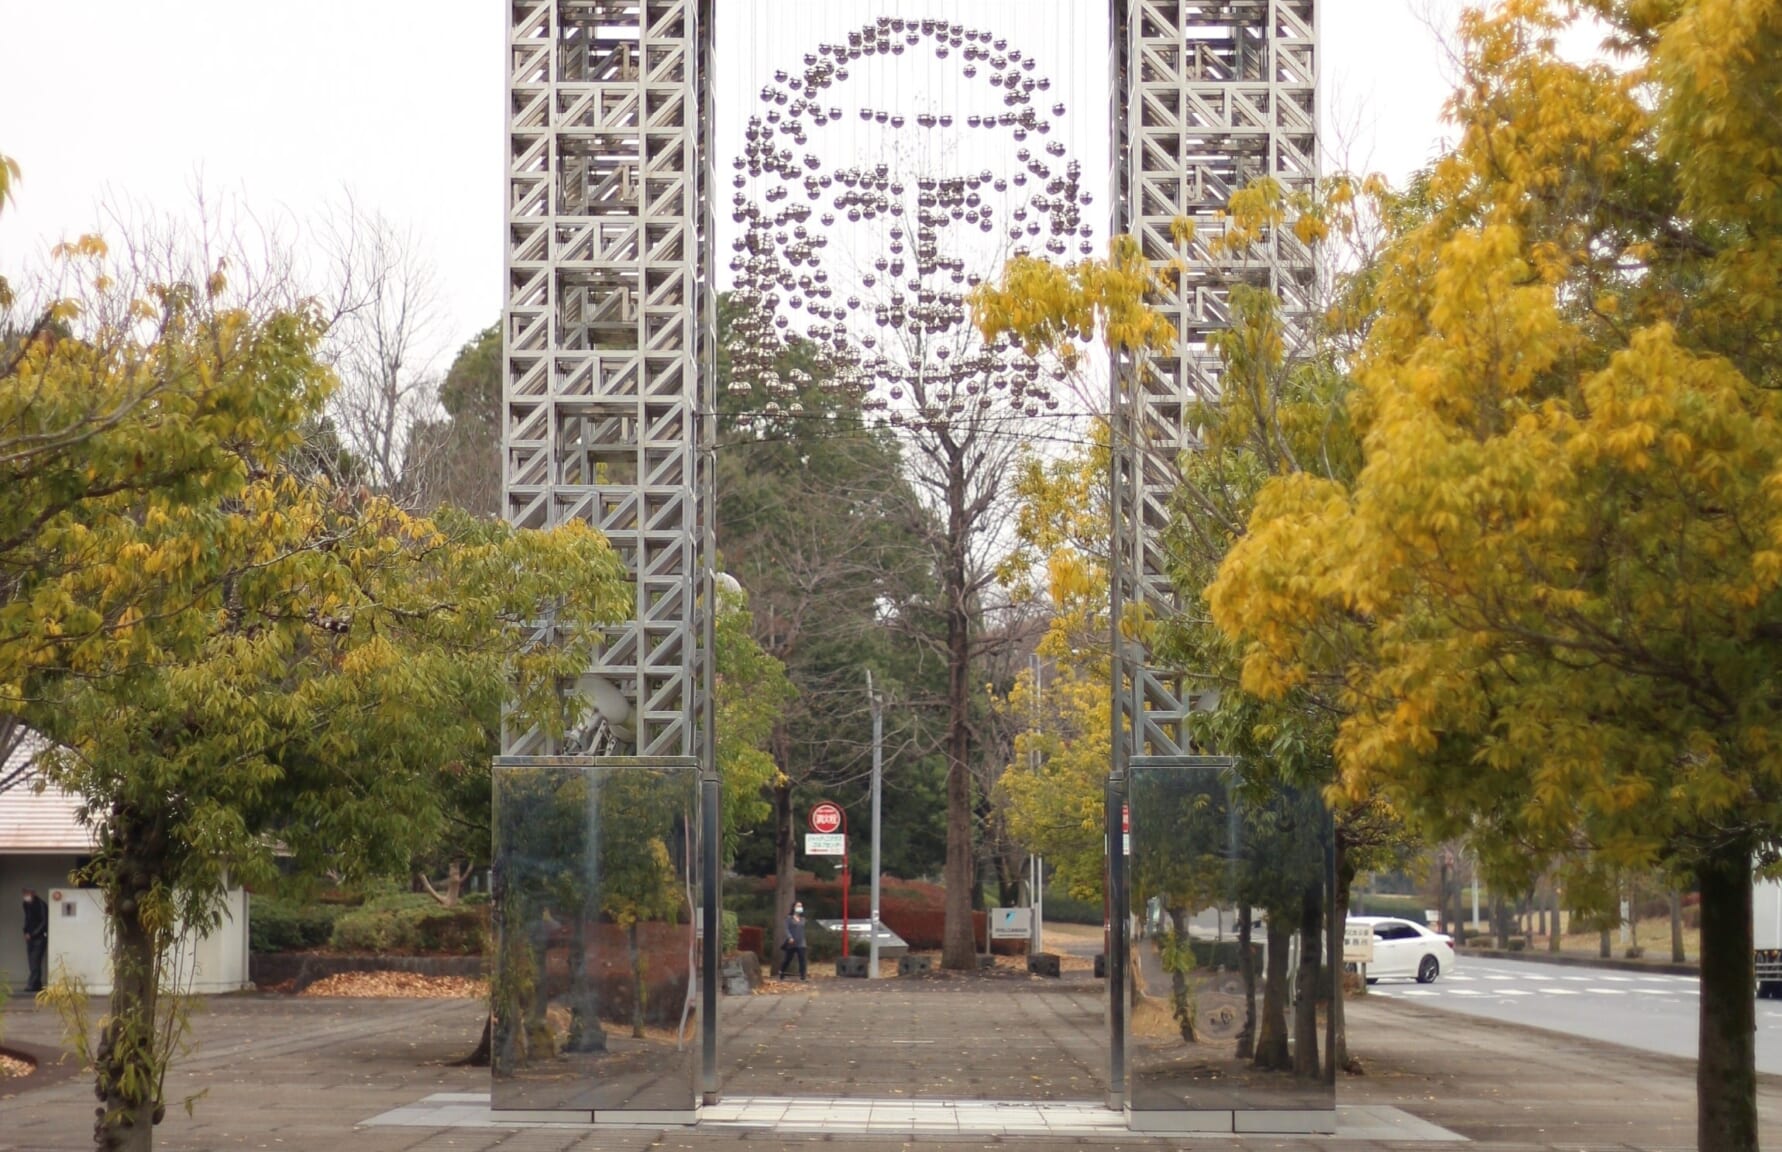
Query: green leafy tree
{"x": 816, "y": 521}
{"x": 232, "y": 655}
{"x": 456, "y": 459}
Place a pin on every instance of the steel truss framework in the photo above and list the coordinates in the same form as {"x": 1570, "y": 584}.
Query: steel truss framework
{"x": 609, "y": 326}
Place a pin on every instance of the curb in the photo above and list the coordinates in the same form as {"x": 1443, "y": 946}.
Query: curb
{"x": 1575, "y": 961}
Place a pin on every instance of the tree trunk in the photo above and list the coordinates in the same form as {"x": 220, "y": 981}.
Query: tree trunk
{"x": 1726, "y": 1066}
{"x": 1441, "y": 898}
{"x": 480, "y": 1055}
{"x": 1305, "y": 1006}
{"x": 637, "y": 982}
{"x": 1500, "y": 921}
{"x": 1246, "y": 1045}
{"x": 1181, "y": 1003}
{"x": 1558, "y": 933}
{"x": 1677, "y": 956}
{"x": 585, "y": 1032}
{"x": 1603, "y": 947}
{"x": 1271, "y": 1042}
{"x": 128, "y": 1064}
{"x": 958, "y": 949}
{"x": 784, "y": 862}
{"x": 1336, "y": 1038}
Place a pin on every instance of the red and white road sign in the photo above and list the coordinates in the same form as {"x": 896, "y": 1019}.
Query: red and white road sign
{"x": 827, "y": 817}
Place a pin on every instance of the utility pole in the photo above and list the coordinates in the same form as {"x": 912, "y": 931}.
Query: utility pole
{"x": 878, "y": 769}
{"x": 1036, "y": 884}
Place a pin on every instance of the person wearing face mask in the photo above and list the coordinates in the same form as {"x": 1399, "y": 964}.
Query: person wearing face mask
{"x": 794, "y": 945}
{"x": 36, "y": 938}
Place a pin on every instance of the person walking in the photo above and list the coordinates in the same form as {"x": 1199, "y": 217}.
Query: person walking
{"x": 36, "y": 938}
{"x": 794, "y": 945}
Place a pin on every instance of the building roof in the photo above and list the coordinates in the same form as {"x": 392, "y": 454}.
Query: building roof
{"x": 37, "y": 818}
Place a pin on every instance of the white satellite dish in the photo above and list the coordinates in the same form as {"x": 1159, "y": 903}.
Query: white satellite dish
{"x": 605, "y": 700}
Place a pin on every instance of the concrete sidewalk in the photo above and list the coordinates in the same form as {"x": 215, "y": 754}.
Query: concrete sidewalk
{"x": 288, "y": 1073}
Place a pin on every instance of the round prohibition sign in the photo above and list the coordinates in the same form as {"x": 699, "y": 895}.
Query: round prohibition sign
{"x": 827, "y": 817}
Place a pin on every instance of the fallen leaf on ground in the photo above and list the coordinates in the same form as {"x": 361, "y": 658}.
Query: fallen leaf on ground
{"x": 406, "y": 985}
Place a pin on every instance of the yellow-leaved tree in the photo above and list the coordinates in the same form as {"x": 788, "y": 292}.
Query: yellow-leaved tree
{"x": 1564, "y": 545}
{"x": 1053, "y": 792}
{"x": 1280, "y": 412}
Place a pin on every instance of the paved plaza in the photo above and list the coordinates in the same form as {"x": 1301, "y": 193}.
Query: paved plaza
{"x": 982, "y": 1064}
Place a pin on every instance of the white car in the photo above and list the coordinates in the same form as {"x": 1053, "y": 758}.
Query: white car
{"x": 1406, "y": 950}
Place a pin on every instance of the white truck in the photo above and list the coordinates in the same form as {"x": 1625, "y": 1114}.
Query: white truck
{"x": 1766, "y": 936}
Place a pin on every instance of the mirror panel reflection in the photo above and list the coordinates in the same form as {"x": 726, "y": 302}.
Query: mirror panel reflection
{"x": 593, "y": 995}
{"x": 1229, "y": 977}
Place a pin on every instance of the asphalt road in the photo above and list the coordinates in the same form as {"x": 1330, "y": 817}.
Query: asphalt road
{"x": 1654, "y": 1013}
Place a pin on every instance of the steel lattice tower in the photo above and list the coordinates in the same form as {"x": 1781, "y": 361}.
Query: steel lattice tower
{"x": 609, "y": 328}
{"x": 1208, "y": 97}
{"x": 609, "y": 332}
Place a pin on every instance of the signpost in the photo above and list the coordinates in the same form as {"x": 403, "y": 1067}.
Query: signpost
{"x": 1358, "y": 948}
{"x": 1011, "y": 923}
{"x": 829, "y": 837}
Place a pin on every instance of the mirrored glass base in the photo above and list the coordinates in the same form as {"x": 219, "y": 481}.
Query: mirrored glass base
{"x": 593, "y": 988}
{"x": 1229, "y": 884}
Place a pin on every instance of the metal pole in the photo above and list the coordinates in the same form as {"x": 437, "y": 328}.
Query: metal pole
{"x": 712, "y": 834}
{"x": 878, "y": 768}
{"x": 1475, "y": 889}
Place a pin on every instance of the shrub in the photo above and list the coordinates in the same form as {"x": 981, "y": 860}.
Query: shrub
{"x": 1410, "y": 908}
{"x": 728, "y": 931}
{"x": 820, "y": 943}
{"x": 924, "y": 928}
{"x": 1221, "y": 953}
{"x": 1064, "y": 910}
{"x": 276, "y": 925}
{"x": 422, "y": 928}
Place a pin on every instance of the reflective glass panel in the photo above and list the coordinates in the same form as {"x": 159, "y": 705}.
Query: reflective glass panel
{"x": 1229, "y": 887}
{"x": 594, "y": 892}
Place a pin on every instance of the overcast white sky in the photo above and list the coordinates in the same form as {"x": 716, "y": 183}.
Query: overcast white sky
{"x": 286, "y": 107}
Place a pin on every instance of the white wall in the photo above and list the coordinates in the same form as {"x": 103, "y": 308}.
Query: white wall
{"x": 216, "y": 963}
{"x": 44, "y": 873}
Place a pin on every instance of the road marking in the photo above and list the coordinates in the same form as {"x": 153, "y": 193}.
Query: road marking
{"x": 1463, "y": 992}
{"x": 1577, "y": 979}
{"x": 1503, "y": 977}
{"x": 1560, "y": 991}
{"x": 1617, "y": 979}
{"x": 1608, "y": 991}
{"x": 1515, "y": 992}
{"x": 1418, "y": 992}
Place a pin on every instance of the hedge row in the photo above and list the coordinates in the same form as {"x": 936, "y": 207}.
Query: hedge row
{"x": 425, "y": 929}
